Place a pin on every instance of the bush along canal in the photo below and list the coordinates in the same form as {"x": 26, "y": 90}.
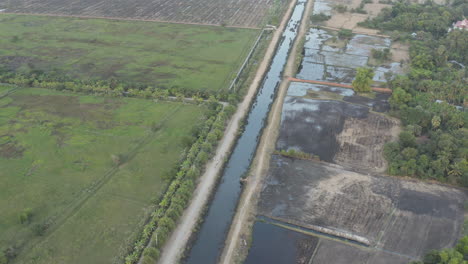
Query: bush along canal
{"x": 210, "y": 239}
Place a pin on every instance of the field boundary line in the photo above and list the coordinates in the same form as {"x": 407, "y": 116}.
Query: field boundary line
{"x": 311, "y": 232}
{"x": 127, "y": 19}
{"x": 387, "y": 224}
{"x": 10, "y": 91}
{"x": 342, "y": 240}
{"x": 375, "y": 89}
{"x": 355, "y": 31}
{"x": 247, "y": 59}
{"x": 311, "y": 260}
{"x": 90, "y": 191}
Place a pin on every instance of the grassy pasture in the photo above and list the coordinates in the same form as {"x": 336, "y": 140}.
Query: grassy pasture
{"x": 85, "y": 166}
{"x": 200, "y": 58}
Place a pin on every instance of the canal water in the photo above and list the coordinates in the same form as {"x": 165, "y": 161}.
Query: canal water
{"x": 210, "y": 239}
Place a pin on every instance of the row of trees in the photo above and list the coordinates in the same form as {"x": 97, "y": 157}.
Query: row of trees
{"x": 106, "y": 87}
{"x": 179, "y": 192}
{"x": 434, "y": 142}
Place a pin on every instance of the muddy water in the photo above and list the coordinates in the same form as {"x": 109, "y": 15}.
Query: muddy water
{"x": 274, "y": 244}
{"x": 211, "y": 237}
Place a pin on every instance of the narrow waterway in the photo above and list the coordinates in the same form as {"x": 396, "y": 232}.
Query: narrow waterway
{"x": 211, "y": 237}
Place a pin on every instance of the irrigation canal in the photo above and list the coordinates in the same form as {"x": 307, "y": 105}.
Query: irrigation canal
{"x": 212, "y": 234}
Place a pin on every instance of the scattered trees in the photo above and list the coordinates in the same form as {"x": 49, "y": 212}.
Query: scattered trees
{"x": 433, "y": 143}
{"x": 457, "y": 255}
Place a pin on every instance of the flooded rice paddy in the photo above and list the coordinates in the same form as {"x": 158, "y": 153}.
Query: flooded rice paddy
{"x": 329, "y": 58}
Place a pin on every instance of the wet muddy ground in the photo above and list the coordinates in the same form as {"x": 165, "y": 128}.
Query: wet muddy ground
{"x": 274, "y": 244}
{"x": 328, "y": 58}
{"x": 401, "y": 219}
{"x": 337, "y": 125}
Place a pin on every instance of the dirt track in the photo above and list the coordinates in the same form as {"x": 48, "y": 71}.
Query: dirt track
{"x": 178, "y": 240}
{"x": 264, "y": 150}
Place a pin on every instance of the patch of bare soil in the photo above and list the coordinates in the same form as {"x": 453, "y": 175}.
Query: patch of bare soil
{"x": 346, "y": 133}
{"x": 361, "y": 142}
{"x": 11, "y": 150}
{"x": 349, "y": 20}
{"x": 400, "y": 51}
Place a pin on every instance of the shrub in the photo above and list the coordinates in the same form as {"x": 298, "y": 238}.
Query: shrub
{"x": 340, "y": 8}
{"x": 25, "y": 216}
{"x": 151, "y": 252}
{"x": 359, "y": 10}
{"x": 148, "y": 260}
{"x": 383, "y": 55}
{"x": 39, "y": 229}
{"x": 345, "y": 33}
{"x": 319, "y": 17}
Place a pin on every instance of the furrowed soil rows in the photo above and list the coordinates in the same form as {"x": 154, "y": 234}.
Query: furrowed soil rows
{"x": 244, "y": 13}
{"x": 403, "y": 218}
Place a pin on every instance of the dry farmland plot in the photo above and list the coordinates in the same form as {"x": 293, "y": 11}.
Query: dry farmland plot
{"x": 396, "y": 216}
{"x": 87, "y": 168}
{"x": 344, "y": 131}
{"x": 200, "y": 58}
{"x": 247, "y": 13}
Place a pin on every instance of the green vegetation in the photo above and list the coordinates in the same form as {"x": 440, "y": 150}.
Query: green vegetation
{"x": 340, "y": 8}
{"x": 434, "y": 143}
{"x": 319, "y": 18}
{"x": 362, "y": 82}
{"x": 457, "y": 255}
{"x": 429, "y": 17}
{"x": 381, "y": 55}
{"x": 360, "y": 8}
{"x": 167, "y": 56}
{"x": 81, "y": 172}
{"x": 274, "y": 16}
{"x": 292, "y": 153}
{"x": 345, "y": 34}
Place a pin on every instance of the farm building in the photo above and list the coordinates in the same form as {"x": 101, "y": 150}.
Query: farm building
{"x": 462, "y": 24}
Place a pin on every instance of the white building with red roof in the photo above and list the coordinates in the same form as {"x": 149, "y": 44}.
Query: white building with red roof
{"x": 462, "y": 24}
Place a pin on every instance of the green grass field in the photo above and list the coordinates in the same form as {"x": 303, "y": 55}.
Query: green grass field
{"x": 201, "y": 58}
{"x": 86, "y": 167}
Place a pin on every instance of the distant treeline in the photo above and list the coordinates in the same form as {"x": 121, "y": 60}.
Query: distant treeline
{"x": 431, "y": 99}
{"x": 457, "y": 255}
